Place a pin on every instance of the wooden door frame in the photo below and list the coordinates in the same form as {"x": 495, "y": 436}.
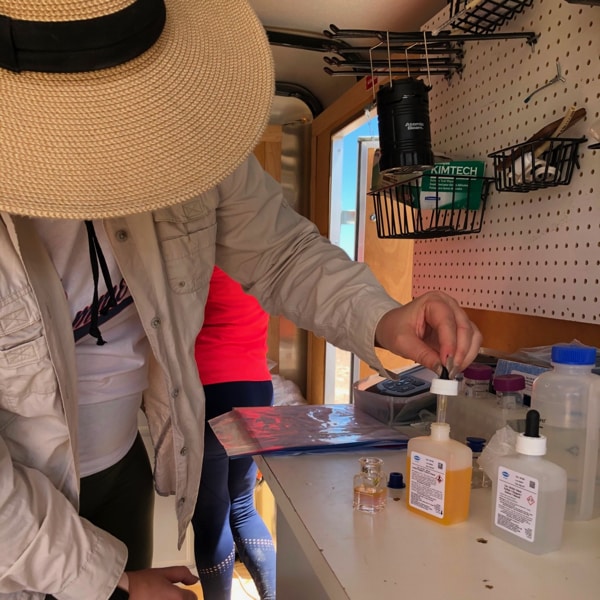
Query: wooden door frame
{"x": 342, "y": 112}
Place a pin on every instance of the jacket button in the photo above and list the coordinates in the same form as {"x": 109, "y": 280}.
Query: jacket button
{"x": 175, "y": 393}
{"x": 121, "y": 235}
{"x": 183, "y": 451}
{"x": 155, "y": 323}
{"x": 181, "y": 500}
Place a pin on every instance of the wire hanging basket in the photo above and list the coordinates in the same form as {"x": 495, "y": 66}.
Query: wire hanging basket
{"x": 536, "y": 165}
{"x": 484, "y": 16}
{"x": 450, "y": 206}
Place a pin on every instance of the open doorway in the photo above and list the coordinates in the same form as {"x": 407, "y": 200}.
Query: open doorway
{"x": 346, "y": 229}
{"x": 352, "y": 227}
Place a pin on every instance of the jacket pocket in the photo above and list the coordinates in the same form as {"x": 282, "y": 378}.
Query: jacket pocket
{"x": 187, "y": 235}
{"x": 27, "y": 379}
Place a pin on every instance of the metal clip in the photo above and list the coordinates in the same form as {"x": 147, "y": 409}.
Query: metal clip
{"x": 558, "y": 77}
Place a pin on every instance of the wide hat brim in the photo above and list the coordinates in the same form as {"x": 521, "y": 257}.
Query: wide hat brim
{"x": 152, "y": 132}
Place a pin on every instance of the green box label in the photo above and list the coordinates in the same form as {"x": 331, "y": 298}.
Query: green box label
{"x": 452, "y": 185}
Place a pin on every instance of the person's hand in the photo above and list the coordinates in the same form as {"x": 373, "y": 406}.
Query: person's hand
{"x": 433, "y": 331}
{"x": 159, "y": 584}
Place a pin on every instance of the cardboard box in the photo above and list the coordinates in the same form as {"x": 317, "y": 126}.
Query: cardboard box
{"x": 452, "y": 185}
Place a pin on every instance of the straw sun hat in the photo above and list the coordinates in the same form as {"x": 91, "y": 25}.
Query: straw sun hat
{"x": 114, "y": 107}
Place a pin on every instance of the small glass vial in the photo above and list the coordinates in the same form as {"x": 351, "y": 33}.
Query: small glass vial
{"x": 476, "y": 380}
{"x": 370, "y": 489}
{"x": 509, "y": 390}
{"x": 478, "y": 477}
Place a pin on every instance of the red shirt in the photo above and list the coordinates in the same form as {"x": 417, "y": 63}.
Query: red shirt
{"x": 232, "y": 345}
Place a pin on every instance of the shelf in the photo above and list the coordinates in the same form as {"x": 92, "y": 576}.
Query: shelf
{"x": 432, "y": 206}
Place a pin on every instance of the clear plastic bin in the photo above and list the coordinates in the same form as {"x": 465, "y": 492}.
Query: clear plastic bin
{"x": 481, "y": 416}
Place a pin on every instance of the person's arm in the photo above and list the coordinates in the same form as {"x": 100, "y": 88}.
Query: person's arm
{"x": 433, "y": 331}
{"x": 281, "y": 258}
{"x": 159, "y": 584}
{"x": 45, "y": 546}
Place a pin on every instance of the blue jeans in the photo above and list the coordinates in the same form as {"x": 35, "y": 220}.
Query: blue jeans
{"x": 225, "y": 518}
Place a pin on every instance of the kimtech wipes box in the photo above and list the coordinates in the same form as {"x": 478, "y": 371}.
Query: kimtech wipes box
{"x": 452, "y": 185}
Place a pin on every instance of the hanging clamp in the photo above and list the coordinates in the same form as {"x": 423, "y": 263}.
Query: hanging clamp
{"x": 558, "y": 77}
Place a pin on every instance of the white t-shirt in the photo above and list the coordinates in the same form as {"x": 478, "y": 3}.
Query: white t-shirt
{"x": 112, "y": 377}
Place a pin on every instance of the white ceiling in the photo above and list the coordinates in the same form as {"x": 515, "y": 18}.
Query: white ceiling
{"x": 305, "y": 67}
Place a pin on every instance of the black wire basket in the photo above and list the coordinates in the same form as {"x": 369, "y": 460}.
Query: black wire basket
{"x": 486, "y": 16}
{"x": 536, "y": 165}
{"x": 450, "y": 206}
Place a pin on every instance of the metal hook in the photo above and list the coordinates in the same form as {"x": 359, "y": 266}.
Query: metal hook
{"x": 426, "y": 57}
{"x": 558, "y": 77}
{"x": 406, "y": 58}
{"x": 389, "y": 55}
{"x": 372, "y": 71}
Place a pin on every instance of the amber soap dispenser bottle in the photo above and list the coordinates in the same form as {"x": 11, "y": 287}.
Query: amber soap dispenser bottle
{"x": 439, "y": 476}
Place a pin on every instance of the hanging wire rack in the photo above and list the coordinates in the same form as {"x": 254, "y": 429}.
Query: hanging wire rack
{"x": 484, "y": 16}
{"x": 445, "y": 48}
{"x": 453, "y": 205}
{"x": 349, "y": 52}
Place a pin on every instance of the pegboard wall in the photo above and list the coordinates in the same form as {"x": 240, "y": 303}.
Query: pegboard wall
{"x": 538, "y": 252}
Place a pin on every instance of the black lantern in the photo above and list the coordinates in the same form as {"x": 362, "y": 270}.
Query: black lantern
{"x": 404, "y": 131}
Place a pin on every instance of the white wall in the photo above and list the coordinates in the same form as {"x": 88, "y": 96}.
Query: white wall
{"x": 538, "y": 253}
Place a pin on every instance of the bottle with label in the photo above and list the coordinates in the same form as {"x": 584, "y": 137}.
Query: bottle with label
{"x": 568, "y": 398}
{"x": 370, "y": 486}
{"x": 476, "y": 380}
{"x": 509, "y": 390}
{"x": 439, "y": 476}
{"x": 529, "y": 494}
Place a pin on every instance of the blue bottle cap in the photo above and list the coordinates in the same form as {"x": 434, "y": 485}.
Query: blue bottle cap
{"x": 570, "y": 354}
{"x": 476, "y": 443}
{"x": 396, "y": 480}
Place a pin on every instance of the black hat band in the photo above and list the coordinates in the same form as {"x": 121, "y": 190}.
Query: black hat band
{"x": 79, "y": 46}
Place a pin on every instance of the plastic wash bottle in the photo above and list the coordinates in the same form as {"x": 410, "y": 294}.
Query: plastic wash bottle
{"x": 529, "y": 494}
{"x": 568, "y": 399}
{"x": 439, "y": 476}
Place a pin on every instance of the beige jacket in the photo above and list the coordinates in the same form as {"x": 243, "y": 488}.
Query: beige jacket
{"x": 166, "y": 258}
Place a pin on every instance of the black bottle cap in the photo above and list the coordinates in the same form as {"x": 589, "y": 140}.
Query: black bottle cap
{"x": 396, "y": 480}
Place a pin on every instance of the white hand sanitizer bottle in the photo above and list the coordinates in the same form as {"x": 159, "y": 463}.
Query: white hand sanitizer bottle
{"x": 529, "y": 494}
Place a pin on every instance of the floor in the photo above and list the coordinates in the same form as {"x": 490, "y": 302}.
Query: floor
{"x": 243, "y": 586}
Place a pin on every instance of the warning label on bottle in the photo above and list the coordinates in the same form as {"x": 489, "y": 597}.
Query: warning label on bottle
{"x": 427, "y": 484}
{"x": 516, "y": 503}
